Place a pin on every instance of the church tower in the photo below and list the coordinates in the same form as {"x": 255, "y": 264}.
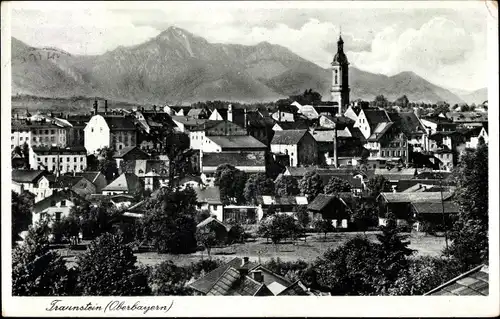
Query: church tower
{"x": 340, "y": 78}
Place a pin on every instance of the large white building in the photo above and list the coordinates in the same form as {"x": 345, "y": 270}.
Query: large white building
{"x": 57, "y": 159}
{"x": 114, "y": 131}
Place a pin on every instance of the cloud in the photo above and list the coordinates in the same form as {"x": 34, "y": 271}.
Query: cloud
{"x": 85, "y": 31}
{"x": 439, "y": 50}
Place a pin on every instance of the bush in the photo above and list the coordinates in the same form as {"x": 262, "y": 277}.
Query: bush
{"x": 108, "y": 268}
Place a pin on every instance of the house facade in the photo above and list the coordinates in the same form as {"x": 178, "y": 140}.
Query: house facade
{"x": 299, "y": 145}
{"x": 61, "y": 160}
{"x": 114, "y": 131}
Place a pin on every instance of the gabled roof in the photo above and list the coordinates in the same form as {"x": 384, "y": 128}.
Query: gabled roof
{"x": 475, "y": 282}
{"x": 407, "y": 122}
{"x": 27, "y": 176}
{"x": 196, "y": 112}
{"x": 56, "y": 197}
{"x": 322, "y": 201}
{"x": 395, "y": 172}
{"x": 211, "y": 219}
{"x": 126, "y": 150}
{"x": 296, "y": 125}
{"x": 128, "y": 182}
{"x": 63, "y": 181}
{"x": 91, "y": 176}
{"x": 119, "y": 122}
{"x": 375, "y": 117}
{"x": 237, "y": 142}
{"x": 231, "y": 283}
{"x": 379, "y": 131}
{"x": 288, "y": 137}
{"x": 424, "y": 197}
{"x": 205, "y": 283}
{"x": 295, "y": 289}
{"x": 234, "y": 158}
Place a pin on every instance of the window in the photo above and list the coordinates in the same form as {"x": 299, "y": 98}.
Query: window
{"x": 75, "y": 168}
{"x": 399, "y": 153}
{"x": 58, "y": 216}
{"x": 81, "y": 159}
{"x": 47, "y": 132}
{"x": 404, "y": 153}
{"x": 46, "y": 159}
{"x": 34, "y": 139}
{"x": 67, "y": 159}
{"x": 21, "y": 138}
{"x": 52, "y": 132}
{"x": 52, "y": 138}
{"x": 12, "y": 137}
{"x": 383, "y": 153}
{"x": 74, "y": 159}
{"x": 92, "y": 130}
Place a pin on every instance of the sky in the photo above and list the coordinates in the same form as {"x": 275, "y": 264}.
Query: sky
{"x": 446, "y": 46}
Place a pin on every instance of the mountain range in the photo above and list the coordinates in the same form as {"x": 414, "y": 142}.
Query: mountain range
{"x": 179, "y": 67}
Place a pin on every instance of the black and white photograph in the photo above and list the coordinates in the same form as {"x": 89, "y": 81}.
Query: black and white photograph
{"x": 315, "y": 151}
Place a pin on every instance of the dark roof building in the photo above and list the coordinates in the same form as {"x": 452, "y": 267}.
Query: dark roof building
{"x": 472, "y": 283}
{"x": 288, "y": 137}
{"x": 27, "y": 176}
{"x": 246, "y": 161}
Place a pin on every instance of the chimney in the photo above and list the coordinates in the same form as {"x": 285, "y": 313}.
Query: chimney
{"x": 257, "y": 276}
{"x": 230, "y": 112}
{"x": 154, "y": 108}
{"x": 244, "y": 267}
{"x": 105, "y": 106}
{"x": 95, "y": 107}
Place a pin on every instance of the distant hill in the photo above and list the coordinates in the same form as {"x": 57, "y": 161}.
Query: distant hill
{"x": 178, "y": 67}
{"x": 476, "y": 97}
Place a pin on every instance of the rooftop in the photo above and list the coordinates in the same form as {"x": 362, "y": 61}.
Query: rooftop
{"x": 237, "y": 142}
{"x": 26, "y": 176}
{"x": 472, "y": 283}
{"x": 234, "y": 158}
{"x": 424, "y": 197}
{"x": 127, "y": 182}
{"x": 288, "y": 137}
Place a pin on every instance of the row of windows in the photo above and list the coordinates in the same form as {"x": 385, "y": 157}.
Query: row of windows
{"x": 68, "y": 168}
{"x": 68, "y": 159}
{"x": 393, "y": 153}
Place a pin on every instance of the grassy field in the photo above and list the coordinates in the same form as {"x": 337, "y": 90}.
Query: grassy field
{"x": 314, "y": 246}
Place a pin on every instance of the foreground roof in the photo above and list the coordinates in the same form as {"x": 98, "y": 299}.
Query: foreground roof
{"x": 205, "y": 283}
{"x": 424, "y": 197}
{"x": 26, "y": 176}
{"x": 234, "y": 158}
{"x": 472, "y": 283}
{"x": 237, "y": 141}
{"x": 125, "y": 182}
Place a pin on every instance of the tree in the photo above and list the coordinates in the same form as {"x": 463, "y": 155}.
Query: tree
{"x": 108, "y": 268}
{"x": 337, "y": 185}
{"x": 286, "y": 186}
{"x": 107, "y": 164}
{"x": 258, "y": 185}
{"x": 424, "y": 273}
{"x": 207, "y": 237}
{"x": 26, "y": 155}
{"x": 402, "y": 101}
{"x": 231, "y": 182}
{"x": 381, "y": 101}
{"x": 236, "y": 234}
{"x": 470, "y": 231}
{"x": 350, "y": 269}
{"x": 393, "y": 254}
{"x": 38, "y": 271}
{"x": 22, "y": 206}
{"x": 303, "y": 218}
{"x": 309, "y": 97}
{"x": 311, "y": 185}
{"x": 167, "y": 279}
{"x": 441, "y": 107}
{"x": 277, "y": 227}
{"x": 378, "y": 184}
{"x": 323, "y": 226}
{"x": 169, "y": 223}
{"x": 179, "y": 154}
{"x": 364, "y": 215}
{"x": 94, "y": 220}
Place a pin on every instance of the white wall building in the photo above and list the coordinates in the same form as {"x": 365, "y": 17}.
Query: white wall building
{"x": 63, "y": 160}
